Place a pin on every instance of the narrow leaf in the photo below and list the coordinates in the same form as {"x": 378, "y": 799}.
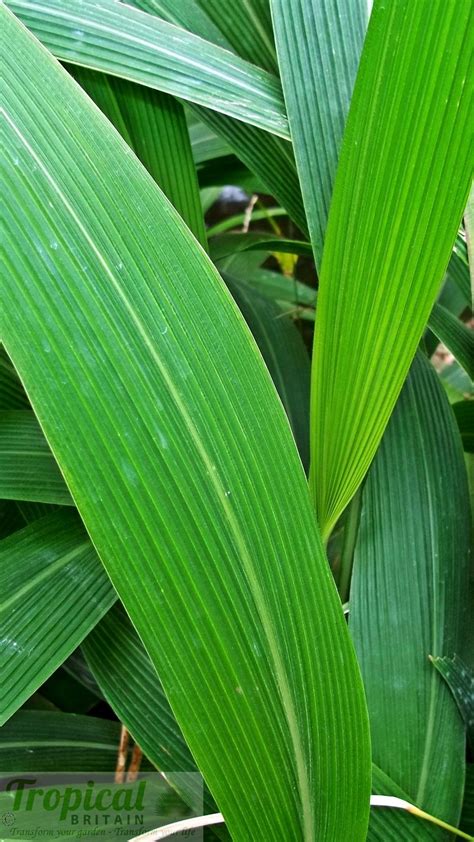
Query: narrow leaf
{"x": 458, "y": 337}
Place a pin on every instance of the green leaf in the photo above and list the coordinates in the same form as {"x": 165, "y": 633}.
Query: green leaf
{"x": 409, "y": 594}
{"x": 162, "y": 415}
{"x": 458, "y": 271}
{"x": 12, "y": 395}
{"x": 458, "y": 337}
{"x": 467, "y": 817}
{"x": 318, "y": 45}
{"x": 387, "y": 825}
{"x": 28, "y": 469}
{"x": 401, "y": 187}
{"x": 54, "y": 590}
{"x": 126, "y": 676}
{"x": 44, "y": 741}
{"x": 244, "y": 27}
{"x": 117, "y": 39}
{"x": 286, "y": 357}
{"x": 226, "y": 244}
{"x": 464, "y": 412}
{"x": 155, "y": 127}
{"x": 460, "y": 679}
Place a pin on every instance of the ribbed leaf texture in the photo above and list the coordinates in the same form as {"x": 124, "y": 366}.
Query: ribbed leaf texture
{"x": 402, "y": 183}
{"x": 319, "y": 46}
{"x": 409, "y": 594}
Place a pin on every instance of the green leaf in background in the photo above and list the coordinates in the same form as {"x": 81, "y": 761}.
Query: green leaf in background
{"x": 155, "y": 127}
{"x": 401, "y": 187}
{"x": 225, "y": 245}
{"x": 460, "y": 679}
{"x": 12, "y": 395}
{"x": 166, "y": 425}
{"x": 117, "y": 39}
{"x": 318, "y": 45}
{"x": 286, "y": 357}
{"x": 409, "y": 594}
{"x": 129, "y": 682}
{"x": 387, "y": 825}
{"x": 37, "y": 741}
{"x": 458, "y": 337}
{"x": 53, "y": 591}
{"x": 245, "y": 27}
{"x": 28, "y": 469}
{"x": 464, "y": 412}
{"x": 467, "y": 817}
{"x": 458, "y": 270}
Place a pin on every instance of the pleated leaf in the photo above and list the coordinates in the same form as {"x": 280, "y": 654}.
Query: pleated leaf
{"x": 319, "y": 45}
{"x": 28, "y": 469}
{"x": 401, "y": 187}
{"x": 166, "y": 425}
{"x": 117, "y": 39}
{"x": 53, "y": 591}
{"x": 409, "y": 594}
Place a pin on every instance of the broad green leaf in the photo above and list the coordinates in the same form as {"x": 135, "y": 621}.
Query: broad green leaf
{"x": 409, "y": 594}
{"x": 123, "y": 41}
{"x": 155, "y": 127}
{"x": 400, "y": 191}
{"x": 460, "y": 680}
{"x": 192, "y": 492}
{"x": 458, "y": 337}
{"x": 28, "y": 470}
{"x": 187, "y": 13}
{"x": 286, "y": 357}
{"x": 318, "y": 45}
{"x": 12, "y": 395}
{"x": 53, "y": 591}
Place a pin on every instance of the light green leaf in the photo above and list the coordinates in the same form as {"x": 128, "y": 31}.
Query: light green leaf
{"x": 28, "y": 470}
{"x": 409, "y": 594}
{"x": 192, "y": 492}
{"x": 458, "y": 337}
{"x": 318, "y": 45}
{"x": 155, "y": 127}
{"x": 401, "y": 187}
{"x": 122, "y": 41}
{"x": 187, "y": 13}
{"x": 53, "y": 591}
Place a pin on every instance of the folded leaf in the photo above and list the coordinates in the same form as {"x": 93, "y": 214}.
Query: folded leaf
{"x": 458, "y": 337}
{"x": 163, "y": 417}
{"x": 402, "y": 183}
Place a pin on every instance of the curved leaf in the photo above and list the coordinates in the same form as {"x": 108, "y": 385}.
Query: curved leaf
{"x": 166, "y": 425}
